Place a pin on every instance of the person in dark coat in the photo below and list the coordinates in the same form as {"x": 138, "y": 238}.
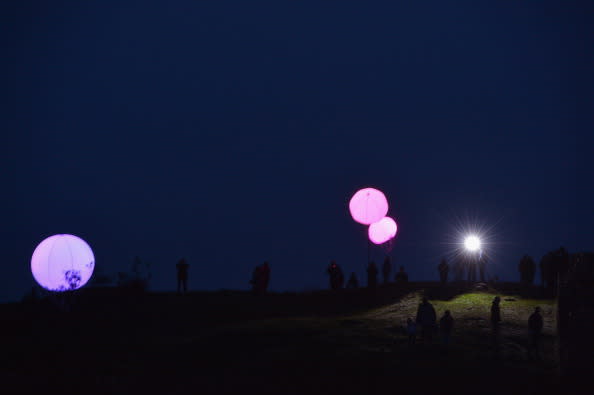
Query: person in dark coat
{"x": 522, "y": 269}
{"x": 260, "y": 279}
{"x": 446, "y": 323}
{"x": 371, "y": 275}
{"x": 443, "y": 268}
{"x": 459, "y": 268}
{"x": 182, "y": 275}
{"x": 256, "y": 279}
{"x": 265, "y": 272}
{"x": 336, "y": 276}
{"x": 411, "y": 331}
{"x": 495, "y": 322}
{"x": 386, "y": 269}
{"x": 482, "y": 266}
{"x": 353, "y": 283}
{"x": 530, "y": 270}
{"x": 426, "y": 319}
{"x": 535, "y": 324}
{"x": 471, "y": 262}
{"x": 401, "y": 276}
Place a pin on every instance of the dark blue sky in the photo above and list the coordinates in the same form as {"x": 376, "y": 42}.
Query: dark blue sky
{"x": 235, "y": 132}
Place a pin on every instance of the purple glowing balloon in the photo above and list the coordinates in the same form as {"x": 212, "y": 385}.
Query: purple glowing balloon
{"x": 382, "y": 230}
{"x": 368, "y": 205}
{"x": 62, "y": 263}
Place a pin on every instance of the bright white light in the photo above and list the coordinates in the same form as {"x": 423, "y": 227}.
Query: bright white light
{"x": 472, "y": 243}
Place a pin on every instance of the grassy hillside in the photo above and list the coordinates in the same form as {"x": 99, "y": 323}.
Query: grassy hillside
{"x": 233, "y": 342}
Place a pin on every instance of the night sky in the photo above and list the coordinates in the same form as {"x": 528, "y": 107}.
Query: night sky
{"x": 230, "y": 133}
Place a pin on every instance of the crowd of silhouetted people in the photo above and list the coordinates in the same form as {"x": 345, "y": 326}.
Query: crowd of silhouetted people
{"x": 426, "y": 325}
{"x": 465, "y": 267}
{"x": 336, "y": 276}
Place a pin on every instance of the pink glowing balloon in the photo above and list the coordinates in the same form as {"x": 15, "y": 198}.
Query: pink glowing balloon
{"x": 368, "y": 205}
{"x": 62, "y": 263}
{"x": 382, "y": 230}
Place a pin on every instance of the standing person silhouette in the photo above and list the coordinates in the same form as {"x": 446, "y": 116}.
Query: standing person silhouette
{"x": 482, "y": 266}
{"x": 443, "y": 269}
{"x": 401, "y": 277}
{"x": 446, "y": 323}
{"x": 265, "y": 277}
{"x": 386, "y": 269}
{"x": 182, "y": 275}
{"x": 336, "y": 276}
{"x": 426, "y": 317}
{"x": 535, "y": 324}
{"x": 495, "y": 323}
{"x": 471, "y": 262}
{"x": 353, "y": 283}
{"x": 371, "y": 275}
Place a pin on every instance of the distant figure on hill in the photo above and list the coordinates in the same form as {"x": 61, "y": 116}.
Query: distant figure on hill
{"x": 482, "y": 266}
{"x": 553, "y": 264}
{"x": 371, "y": 275}
{"x": 336, "y": 277}
{"x": 527, "y": 269}
{"x": 260, "y": 279}
{"x": 386, "y": 269}
{"x": 182, "y": 275}
{"x": 426, "y": 318}
{"x": 265, "y": 276}
{"x": 471, "y": 263}
{"x": 459, "y": 268}
{"x": 446, "y": 323}
{"x": 443, "y": 268}
{"x": 495, "y": 322}
{"x": 353, "y": 283}
{"x": 411, "y": 331}
{"x": 535, "y": 324}
{"x": 401, "y": 276}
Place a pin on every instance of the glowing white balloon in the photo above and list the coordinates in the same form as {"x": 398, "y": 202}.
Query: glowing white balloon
{"x": 383, "y": 230}
{"x": 62, "y": 263}
{"x": 368, "y": 205}
{"x": 472, "y": 243}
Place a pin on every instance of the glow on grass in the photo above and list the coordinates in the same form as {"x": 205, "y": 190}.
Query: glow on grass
{"x": 62, "y": 263}
{"x": 472, "y": 243}
{"x": 382, "y": 231}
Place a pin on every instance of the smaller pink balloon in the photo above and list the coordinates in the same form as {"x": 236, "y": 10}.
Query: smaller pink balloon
{"x": 382, "y": 230}
{"x": 368, "y": 205}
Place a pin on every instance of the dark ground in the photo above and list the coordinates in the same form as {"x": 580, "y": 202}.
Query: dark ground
{"x": 116, "y": 341}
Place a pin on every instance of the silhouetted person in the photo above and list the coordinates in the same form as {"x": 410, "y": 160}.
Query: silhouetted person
{"x": 443, "y": 268}
{"x": 426, "y": 318}
{"x": 466, "y": 267}
{"x": 335, "y": 276}
{"x": 353, "y": 282}
{"x": 371, "y": 275}
{"x": 522, "y": 269}
{"x": 482, "y": 266}
{"x": 550, "y": 267}
{"x": 446, "y": 323}
{"x": 386, "y": 269}
{"x": 182, "y": 275}
{"x": 530, "y": 270}
{"x": 459, "y": 268}
{"x": 471, "y": 263}
{"x": 411, "y": 331}
{"x": 256, "y": 279}
{"x": 495, "y": 322}
{"x": 401, "y": 276}
{"x": 260, "y": 279}
{"x": 265, "y": 277}
{"x": 527, "y": 269}
{"x": 535, "y": 325}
